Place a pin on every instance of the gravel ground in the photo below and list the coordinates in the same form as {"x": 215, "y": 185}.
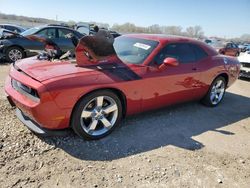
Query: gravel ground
{"x": 188, "y": 145}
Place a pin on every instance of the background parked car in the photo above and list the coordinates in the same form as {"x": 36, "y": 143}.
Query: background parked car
{"x": 229, "y": 48}
{"x": 244, "y": 60}
{"x": 89, "y": 29}
{"x": 10, "y": 27}
{"x": 18, "y": 46}
{"x": 246, "y": 47}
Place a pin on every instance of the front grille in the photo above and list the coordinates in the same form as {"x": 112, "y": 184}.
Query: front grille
{"x": 246, "y": 65}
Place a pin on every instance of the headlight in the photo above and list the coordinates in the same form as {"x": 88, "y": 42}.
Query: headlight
{"x": 25, "y": 90}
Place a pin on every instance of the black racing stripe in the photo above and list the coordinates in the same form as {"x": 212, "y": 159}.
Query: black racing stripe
{"x": 119, "y": 71}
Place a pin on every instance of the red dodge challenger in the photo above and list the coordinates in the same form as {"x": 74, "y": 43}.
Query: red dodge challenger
{"x": 111, "y": 79}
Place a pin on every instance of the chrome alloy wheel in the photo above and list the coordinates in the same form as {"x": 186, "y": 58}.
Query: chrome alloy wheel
{"x": 217, "y": 92}
{"x": 99, "y": 115}
{"x": 15, "y": 54}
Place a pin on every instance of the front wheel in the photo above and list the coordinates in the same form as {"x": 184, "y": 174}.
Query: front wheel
{"x": 14, "y": 53}
{"x": 96, "y": 115}
{"x": 216, "y": 92}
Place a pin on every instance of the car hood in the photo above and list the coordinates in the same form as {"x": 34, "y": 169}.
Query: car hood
{"x": 42, "y": 70}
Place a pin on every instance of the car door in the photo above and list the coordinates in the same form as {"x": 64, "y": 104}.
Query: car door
{"x": 33, "y": 45}
{"x": 64, "y": 43}
{"x": 174, "y": 84}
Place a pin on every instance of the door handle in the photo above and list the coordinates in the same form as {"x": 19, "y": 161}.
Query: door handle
{"x": 194, "y": 69}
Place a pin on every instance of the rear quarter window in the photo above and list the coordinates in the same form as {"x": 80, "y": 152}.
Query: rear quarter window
{"x": 199, "y": 52}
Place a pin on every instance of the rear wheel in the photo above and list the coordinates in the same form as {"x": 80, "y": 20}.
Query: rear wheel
{"x": 216, "y": 92}
{"x": 97, "y": 115}
{"x": 14, "y": 53}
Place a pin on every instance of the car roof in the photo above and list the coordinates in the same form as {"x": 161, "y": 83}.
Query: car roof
{"x": 54, "y": 26}
{"x": 162, "y": 38}
{"x": 12, "y": 25}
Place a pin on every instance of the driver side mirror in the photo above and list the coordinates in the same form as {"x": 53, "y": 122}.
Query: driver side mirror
{"x": 169, "y": 61}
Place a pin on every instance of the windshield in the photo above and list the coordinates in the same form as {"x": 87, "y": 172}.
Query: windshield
{"x": 30, "y": 31}
{"x": 133, "y": 50}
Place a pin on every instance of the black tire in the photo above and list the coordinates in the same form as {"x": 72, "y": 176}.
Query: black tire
{"x": 19, "y": 54}
{"x": 77, "y": 121}
{"x": 237, "y": 54}
{"x": 207, "y": 99}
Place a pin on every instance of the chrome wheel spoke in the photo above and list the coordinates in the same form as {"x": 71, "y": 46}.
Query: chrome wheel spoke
{"x": 99, "y": 101}
{"x": 106, "y": 123}
{"x": 212, "y": 96}
{"x": 86, "y": 114}
{"x": 218, "y": 84}
{"x": 93, "y": 125}
{"x": 221, "y": 90}
{"x": 110, "y": 108}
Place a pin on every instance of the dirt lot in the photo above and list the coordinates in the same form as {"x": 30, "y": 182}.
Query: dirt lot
{"x": 188, "y": 145}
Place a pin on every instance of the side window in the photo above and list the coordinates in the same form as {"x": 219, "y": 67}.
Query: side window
{"x": 199, "y": 52}
{"x": 229, "y": 45}
{"x": 181, "y": 51}
{"x": 235, "y": 46}
{"x": 84, "y": 30}
{"x": 48, "y": 33}
{"x": 63, "y": 32}
{"x": 10, "y": 28}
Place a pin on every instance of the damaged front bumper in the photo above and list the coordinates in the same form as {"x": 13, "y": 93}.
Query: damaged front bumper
{"x": 36, "y": 128}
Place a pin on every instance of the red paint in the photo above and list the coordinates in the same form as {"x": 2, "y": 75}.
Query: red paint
{"x": 60, "y": 85}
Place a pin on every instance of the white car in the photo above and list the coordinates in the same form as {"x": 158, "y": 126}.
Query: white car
{"x": 244, "y": 59}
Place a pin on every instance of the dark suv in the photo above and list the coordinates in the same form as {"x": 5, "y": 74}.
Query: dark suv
{"x": 17, "y": 46}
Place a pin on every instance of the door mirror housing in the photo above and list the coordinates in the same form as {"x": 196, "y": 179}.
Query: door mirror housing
{"x": 169, "y": 61}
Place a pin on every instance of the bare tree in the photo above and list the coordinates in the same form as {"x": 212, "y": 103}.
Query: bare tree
{"x": 172, "y": 30}
{"x": 154, "y": 29}
{"x": 195, "y": 32}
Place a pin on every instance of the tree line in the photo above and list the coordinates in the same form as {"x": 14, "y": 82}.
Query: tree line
{"x": 192, "y": 31}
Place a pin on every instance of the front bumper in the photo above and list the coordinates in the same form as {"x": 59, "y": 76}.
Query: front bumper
{"x": 36, "y": 128}
{"x": 45, "y": 112}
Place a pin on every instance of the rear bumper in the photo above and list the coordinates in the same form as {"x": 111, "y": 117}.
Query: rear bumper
{"x": 36, "y": 128}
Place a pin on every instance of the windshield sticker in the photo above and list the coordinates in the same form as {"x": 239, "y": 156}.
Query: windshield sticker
{"x": 142, "y": 46}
